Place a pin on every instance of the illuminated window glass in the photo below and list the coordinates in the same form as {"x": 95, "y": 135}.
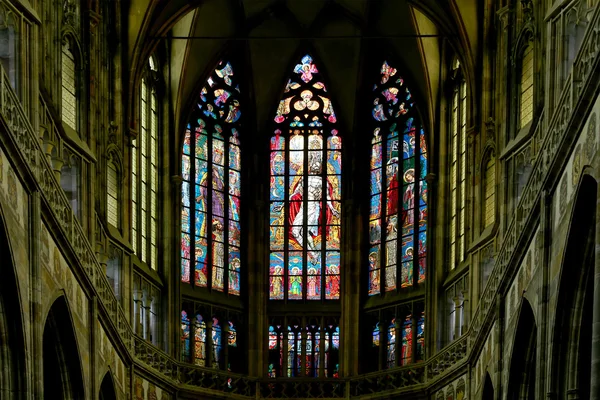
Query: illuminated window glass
{"x": 398, "y": 205}
{"x": 305, "y": 191}
{"x": 144, "y": 182}
{"x": 69, "y": 87}
{"x": 458, "y": 171}
{"x": 526, "y": 87}
{"x": 185, "y": 336}
{"x": 490, "y": 192}
{"x": 210, "y": 167}
{"x": 112, "y": 194}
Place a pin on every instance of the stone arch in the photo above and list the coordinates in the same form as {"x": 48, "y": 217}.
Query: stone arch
{"x": 488, "y": 388}
{"x": 12, "y": 340}
{"x": 521, "y": 381}
{"x": 63, "y": 377}
{"x": 107, "y": 388}
{"x": 572, "y": 331}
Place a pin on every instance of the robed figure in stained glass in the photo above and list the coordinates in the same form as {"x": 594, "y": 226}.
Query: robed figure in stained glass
{"x": 312, "y": 193}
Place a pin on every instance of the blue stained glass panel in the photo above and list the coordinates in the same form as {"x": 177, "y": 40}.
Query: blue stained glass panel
{"x": 407, "y": 248}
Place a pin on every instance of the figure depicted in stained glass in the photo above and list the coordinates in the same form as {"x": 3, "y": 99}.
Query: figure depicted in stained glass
{"x": 216, "y": 343}
{"x": 211, "y": 162}
{"x": 200, "y": 341}
{"x": 393, "y": 206}
{"x": 305, "y": 215}
{"x": 185, "y": 336}
{"x": 407, "y": 340}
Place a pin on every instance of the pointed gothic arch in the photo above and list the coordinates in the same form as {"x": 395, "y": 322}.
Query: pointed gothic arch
{"x": 488, "y": 388}
{"x": 398, "y": 206}
{"x": 63, "y": 376}
{"x": 522, "y": 370}
{"x": 12, "y": 342}
{"x": 107, "y": 388}
{"x": 572, "y": 331}
{"x": 211, "y": 186}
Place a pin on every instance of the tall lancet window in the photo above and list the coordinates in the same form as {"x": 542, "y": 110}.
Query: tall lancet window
{"x": 144, "y": 172}
{"x": 211, "y": 163}
{"x": 398, "y": 206}
{"x": 305, "y": 191}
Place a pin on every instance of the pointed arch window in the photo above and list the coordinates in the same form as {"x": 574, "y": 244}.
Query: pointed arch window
{"x": 144, "y": 170}
{"x": 398, "y": 205}
{"x": 211, "y": 192}
{"x": 305, "y": 192}
{"x": 526, "y": 87}
{"x": 112, "y": 193}
{"x": 69, "y": 112}
{"x": 458, "y": 167}
{"x": 489, "y": 194}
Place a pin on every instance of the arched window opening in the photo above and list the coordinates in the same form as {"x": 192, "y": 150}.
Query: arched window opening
{"x": 398, "y": 206}
{"x": 458, "y": 167}
{"x": 211, "y": 189}
{"x": 200, "y": 341}
{"x": 112, "y": 194}
{"x": 526, "y": 87}
{"x": 69, "y": 112}
{"x": 489, "y": 194}
{"x": 305, "y": 192}
{"x": 144, "y": 180}
{"x": 10, "y": 46}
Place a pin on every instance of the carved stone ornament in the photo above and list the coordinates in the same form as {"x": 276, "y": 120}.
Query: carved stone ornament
{"x": 112, "y": 133}
{"x": 527, "y": 7}
{"x": 490, "y": 130}
{"x": 69, "y": 12}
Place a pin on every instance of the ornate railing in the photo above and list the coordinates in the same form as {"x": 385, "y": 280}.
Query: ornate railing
{"x": 410, "y": 377}
{"x": 35, "y": 161}
{"x": 546, "y": 158}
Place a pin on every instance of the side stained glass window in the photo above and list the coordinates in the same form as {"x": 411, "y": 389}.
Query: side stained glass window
{"x": 305, "y": 192}
{"x": 211, "y": 191}
{"x": 398, "y": 205}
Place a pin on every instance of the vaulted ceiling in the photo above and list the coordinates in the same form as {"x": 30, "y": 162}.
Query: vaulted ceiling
{"x": 270, "y": 36}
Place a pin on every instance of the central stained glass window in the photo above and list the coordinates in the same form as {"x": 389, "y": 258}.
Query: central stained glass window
{"x": 305, "y": 191}
{"x": 398, "y": 207}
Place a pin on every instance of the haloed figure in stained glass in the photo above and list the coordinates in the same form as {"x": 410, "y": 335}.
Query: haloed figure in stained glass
{"x": 305, "y": 191}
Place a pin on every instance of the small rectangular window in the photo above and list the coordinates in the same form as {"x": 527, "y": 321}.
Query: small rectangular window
{"x": 526, "y": 114}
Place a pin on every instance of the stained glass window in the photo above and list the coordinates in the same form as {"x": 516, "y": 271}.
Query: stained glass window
{"x": 185, "y": 336}
{"x": 216, "y": 343}
{"x": 398, "y": 205}
{"x": 407, "y": 341}
{"x": 305, "y": 191}
{"x": 210, "y": 168}
{"x": 421, "y": 337}
{"x": 307, "y": 350}
{"x": 458, "y": 175}
{"x": 144, "y": 176}
{"x": 391, "y": 344}
{"x": 200, "y": 341}
{"x": 275, "y": 351}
